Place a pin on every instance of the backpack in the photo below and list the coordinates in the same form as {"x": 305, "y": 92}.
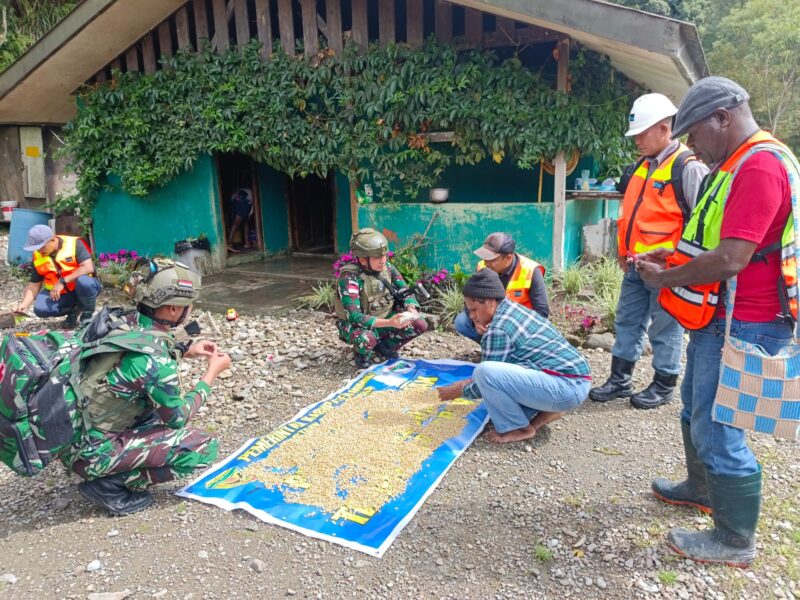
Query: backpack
{"x": 676, "y": 180}
{"x": 43, "y": 404}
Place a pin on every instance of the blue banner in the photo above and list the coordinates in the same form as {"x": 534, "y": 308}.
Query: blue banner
{"x": 354, "y": 468}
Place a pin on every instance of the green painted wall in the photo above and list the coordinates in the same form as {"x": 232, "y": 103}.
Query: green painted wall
{"x": 274, "y": 209}
{"x": 458, "y": 229}
{"x": 344, "y": 225}
{"x": 187, "y": 206}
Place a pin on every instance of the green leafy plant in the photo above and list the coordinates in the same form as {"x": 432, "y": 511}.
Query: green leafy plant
{"x": 321, "y": 297}
{"x": 574, "y": 279}
{"x": 21, "y": 272}
{"x": 542, "y": 553}
{"x": 366, "y": 115}
{"x": 605, "y": 276}
{"x": 448, "y": 303}
{"x": 668, "y": 577}
{"x": 460, "y": 276}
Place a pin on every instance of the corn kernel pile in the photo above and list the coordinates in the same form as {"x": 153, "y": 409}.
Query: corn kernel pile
{"x": 361, "y": 454}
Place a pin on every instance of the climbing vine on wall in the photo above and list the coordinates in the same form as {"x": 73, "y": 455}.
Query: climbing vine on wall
{"x": 366, "y": 115}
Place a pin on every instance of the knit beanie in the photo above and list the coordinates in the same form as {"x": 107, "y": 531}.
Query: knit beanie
{"x": 484, "y": 284}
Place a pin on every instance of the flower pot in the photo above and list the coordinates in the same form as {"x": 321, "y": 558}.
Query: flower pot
{"x": 439, "y": 195}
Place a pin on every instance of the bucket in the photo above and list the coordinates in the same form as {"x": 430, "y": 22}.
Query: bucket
{"x": 8, "y": 208}
{"x": 22, "y": 221}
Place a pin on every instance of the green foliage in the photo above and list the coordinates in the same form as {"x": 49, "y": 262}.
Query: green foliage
{"x": 27, "y": 21}
{"x": 361, "y": 114}
{"x": 321, "y": 297}
{"x": 407, "y": 259}
{"x": 114, "y": 274}
{"x": 605, "y": 276}
{"x": 668, "y": 577}
{"x": 542, "y": 553}
{"x": 449, "y": 302}
{"x": 574, "y": 279}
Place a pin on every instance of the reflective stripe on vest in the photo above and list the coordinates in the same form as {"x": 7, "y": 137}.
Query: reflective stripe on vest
{"x": 51, "y": 268}
{"x": 651, "y": 215}
{"x": 694, "y": 306}
{"x": 519, "y": 286}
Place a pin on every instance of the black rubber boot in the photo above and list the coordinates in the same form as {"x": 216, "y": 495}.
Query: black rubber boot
{"x": 660, "y": 391}
{"x": 87, "y": 308}
{"x": 363, "y": 360}
{"x": 618, "y": 385}
{"x": 736, "y": 502}
{"x": 71, "y": 322}
{"x": 385, "y": 351}
{"x": 692, "y": 491}
{"x": 112, "y": 494}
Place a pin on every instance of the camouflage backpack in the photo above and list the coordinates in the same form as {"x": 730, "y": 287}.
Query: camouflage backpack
{"x": 43, "y": 405}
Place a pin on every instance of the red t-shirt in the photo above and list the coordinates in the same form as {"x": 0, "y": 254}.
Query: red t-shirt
{"x": 756, "y": 210}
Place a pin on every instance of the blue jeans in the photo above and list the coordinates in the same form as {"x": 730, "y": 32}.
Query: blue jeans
{"x": 513, "y": 394}
{"x": 722, "y": 448}
{"x": 638, "y": 311}
{"x": 85, "y": 295}
{"x": 464, "y": 326}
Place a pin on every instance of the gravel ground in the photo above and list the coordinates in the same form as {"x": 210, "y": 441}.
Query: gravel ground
{"x": 568, "y": 515}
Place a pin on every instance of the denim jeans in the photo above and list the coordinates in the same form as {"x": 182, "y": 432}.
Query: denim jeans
{"x": 513, "y": 394}
{"x": 722, "y": 448}
{"x": 464, "y": 326}
{"x": 638, "y": 311}
{"x": 86, "y": 291}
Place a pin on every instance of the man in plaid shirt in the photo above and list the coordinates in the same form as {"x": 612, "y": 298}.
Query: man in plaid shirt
{"x": 528, "y": 371}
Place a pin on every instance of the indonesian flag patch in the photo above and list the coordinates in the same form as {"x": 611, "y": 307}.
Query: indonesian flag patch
{"x": 185, "y": 283}
{"x": 352, "y": 287}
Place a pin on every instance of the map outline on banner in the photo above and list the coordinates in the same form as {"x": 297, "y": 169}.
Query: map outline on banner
{"x": 343, "y": 529}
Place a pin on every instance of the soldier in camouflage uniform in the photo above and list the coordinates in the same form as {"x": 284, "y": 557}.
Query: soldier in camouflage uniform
{"x": 136, "y": 431}
{"x": 365, "y": 303}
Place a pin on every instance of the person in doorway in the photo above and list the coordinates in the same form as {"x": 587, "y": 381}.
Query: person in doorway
{"x": 522, "y": 277}
{"x": 375, "y": 314}
{"x": 658, "y": 200}
{"x": 136, "y": 430}
{"x": 242, "y": 208}
{"x": 742, "y": 226}
{"x": 528, "y": 370}
{"x": 63, "y": 266}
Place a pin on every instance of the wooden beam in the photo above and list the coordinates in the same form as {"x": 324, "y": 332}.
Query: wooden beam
{"x": 473, "y": 25}
{"x": 149, "y": 53}
{"x": 444, "y": 21}
{"x": 386, "y": 28}
{"x": 353, "y": 207}
{"x": 560, "y": 163}
{"x": 165, "y": 40}
{"x": 523, "y": 37}
{"x": 132, "y": 59}
{"x": 310, "y": 29}
{"x": 360, "y": 24}
{"x": 242, "y": 22}
{"x": 264, "y": 24}
{"x": 286, "y": 25}
{"x": 182, "y": 28}
{"x": 200, "y": 22}
{"x": 221, "y": 36}
{"x": 439, "y": 136}
{"x": 333, "y": 11}
{"x": 414, "y": 23}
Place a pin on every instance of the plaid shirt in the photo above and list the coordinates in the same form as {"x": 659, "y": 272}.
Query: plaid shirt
{"x": 519, "y": 336}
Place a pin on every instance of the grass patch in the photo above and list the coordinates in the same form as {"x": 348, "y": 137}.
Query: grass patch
{"x": 574, "y": 501}
{"x": 181, "y": 508}
{"x": 668, "y": 578}
{"x": 321, "y": 297}
{"x": 542, "y": 553}
{"x": 605, "y": 276}
{"x": 574, "y": 279}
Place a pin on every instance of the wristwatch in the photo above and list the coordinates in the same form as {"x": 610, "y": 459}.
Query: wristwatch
{"x": 62, "y": 281}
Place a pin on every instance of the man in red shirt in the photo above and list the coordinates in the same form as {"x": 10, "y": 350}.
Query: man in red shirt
{"x": 736, "y": 229}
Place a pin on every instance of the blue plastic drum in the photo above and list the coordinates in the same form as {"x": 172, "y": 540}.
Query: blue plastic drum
{"x": 22, "y": 219}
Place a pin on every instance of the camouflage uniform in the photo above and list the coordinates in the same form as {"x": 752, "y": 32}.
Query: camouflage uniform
{"x": 358, "y": 329}
{"x": 156, "y": 445}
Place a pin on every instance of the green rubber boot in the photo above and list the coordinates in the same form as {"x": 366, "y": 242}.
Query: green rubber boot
{"x": 736, "y": 502}
{"x": 692, "y": 491}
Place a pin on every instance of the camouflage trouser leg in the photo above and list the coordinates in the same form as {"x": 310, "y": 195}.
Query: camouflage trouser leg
{"x": 149, "y": 455}
{"x": 362, "y": 340}
{"x": 397, "y": 338}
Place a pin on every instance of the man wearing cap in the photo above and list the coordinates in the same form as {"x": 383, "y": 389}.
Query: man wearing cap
{"x": 742, "y": 226}
{"x": 658, "y": 200}
{"x": 529, "y": 374}
{"x": 63, "y": 266}
{"x": 522, "y": 278}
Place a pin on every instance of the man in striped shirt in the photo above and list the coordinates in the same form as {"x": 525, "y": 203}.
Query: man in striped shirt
{"x": 528, "y": 370}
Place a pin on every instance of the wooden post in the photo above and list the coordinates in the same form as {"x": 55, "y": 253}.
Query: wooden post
{"x": 264, "y": 23}
{"x": 308, "y": 10}
{"x": 149, "y": 53}
{"x": 221, "y": 25}
{"x": 200, "y": 22}
{"x": 444, "y": 21}
{"x": 353, "y": 207}
{"x": 473, "y": 26}
{"x": 132, "y": 59}
{"x": 242, "y": 23}
{"x": 333, "y": 12}
{"x": 360, "y": 26}
{"x": 386, "y": 22}
{"x": 165, "y": 40}
{"x": 182, "y": 28}
{"x": 286, "y": 26}
{"x": 560, "y": 163}
{"x": 414, "y": 24}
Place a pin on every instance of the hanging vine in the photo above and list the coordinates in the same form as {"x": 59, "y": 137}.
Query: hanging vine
{"x": 366, "y": 115}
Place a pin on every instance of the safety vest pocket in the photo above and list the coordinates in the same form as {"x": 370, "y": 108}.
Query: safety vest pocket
{"x": 656, "y": 234}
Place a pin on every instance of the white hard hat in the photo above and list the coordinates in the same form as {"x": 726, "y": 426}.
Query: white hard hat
{"x": 647, "y": 111}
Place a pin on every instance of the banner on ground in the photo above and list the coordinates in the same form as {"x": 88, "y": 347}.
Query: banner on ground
{"x": 354, "y": 468}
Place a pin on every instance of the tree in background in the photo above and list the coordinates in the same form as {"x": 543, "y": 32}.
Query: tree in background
{"x": 23, "y": 22}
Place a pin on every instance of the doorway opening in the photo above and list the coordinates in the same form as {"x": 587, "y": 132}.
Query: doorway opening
{"x": 311, "y": 214}
{"x": 241, "y": 206}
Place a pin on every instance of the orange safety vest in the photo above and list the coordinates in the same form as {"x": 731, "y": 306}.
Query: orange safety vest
{"x": 695, "y": 306}
{"x": 653, "y": 208}
{"x": 52, "y": 268}
{"x": 519, "y": 286}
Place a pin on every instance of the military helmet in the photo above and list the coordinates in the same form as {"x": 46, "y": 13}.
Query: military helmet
{"x": 163, "y": 282}
{"x": 368, "y": 242}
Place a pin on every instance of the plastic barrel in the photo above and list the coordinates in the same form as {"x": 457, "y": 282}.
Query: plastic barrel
{"x": 22, "y": 219}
